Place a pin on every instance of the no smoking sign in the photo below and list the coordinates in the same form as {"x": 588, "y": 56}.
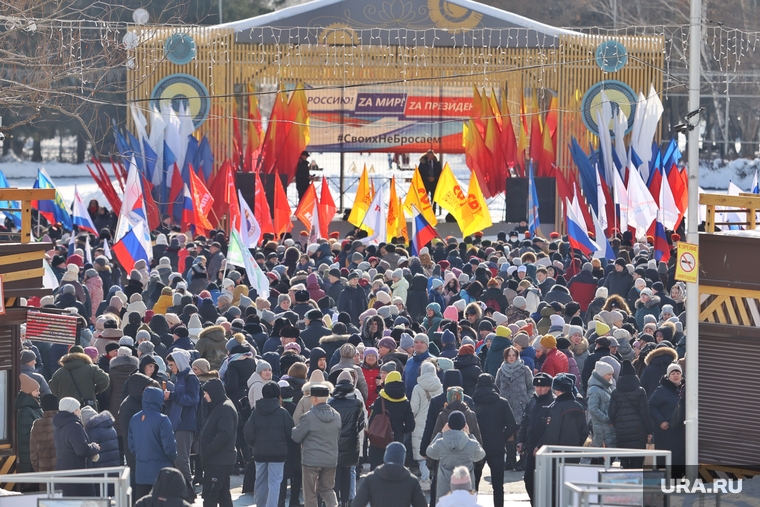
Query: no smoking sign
{"x": 688, "y": 260}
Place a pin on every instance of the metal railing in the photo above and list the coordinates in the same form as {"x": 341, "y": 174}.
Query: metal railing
{"x": 118, "y": 477}
{"x": 553, "y": 457}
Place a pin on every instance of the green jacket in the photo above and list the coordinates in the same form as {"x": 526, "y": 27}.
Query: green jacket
{"x": 77, "y": 371}
{"x": 27, "y": 411}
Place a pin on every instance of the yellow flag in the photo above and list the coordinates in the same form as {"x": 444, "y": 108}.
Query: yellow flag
{"x": 479, "y": 212}
{"x": 449, "y": 195}
{"x": 495, "y": 107}
{"x": 362, "y": 201}
{"x": 401, "y": 231}
{"x": 418, "y": 197}
{"x": 391, "y": 220}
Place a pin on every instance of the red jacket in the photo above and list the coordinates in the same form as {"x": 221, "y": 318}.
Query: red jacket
{"x": 582, "y": 288}
{"x": 370, "y": 374}
{"x": 555, "y": 362}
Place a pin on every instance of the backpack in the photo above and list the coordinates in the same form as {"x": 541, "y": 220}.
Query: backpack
{"x": 493, "y": 305}
{"x": 380, "y": 433}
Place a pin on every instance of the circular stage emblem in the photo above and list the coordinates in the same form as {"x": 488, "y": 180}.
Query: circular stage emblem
{"x": 179, "y": 48}
{"x": 621, "y": 97}
{"x": 611, "y": 56}
{"x": 183, "y": 89}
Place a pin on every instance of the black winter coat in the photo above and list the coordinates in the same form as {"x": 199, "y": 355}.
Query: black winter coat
{"x": 657, "y": 363}
{"x": 313, "y": 333}
{"x": 533, "y": 424}
{"x": 132, "y": 404}
{"x": 268, "y": 430}
{"x": 662, "y": 407}
{"x": 72, "y": 446}
{"x": 236, "y": 378}
{"x": 495, "y": 419}
{"x": 417, "y": 298}
{"x": 558, "y": 294}
{"x": 353, "y": 301}
{"x": 27, "y": 411}
{"x": 170, "y": 490}
{"x": 351, "y": 412}
{"x": 100, "y": 429}
{"x": 629, "y": 413}
{"x": 498, "y": 301}
{"x": 619, "y": 283}
{"x": 469, "y": 365}
{"x": 390, "y": 485}
{"x": 217, "y": 438}
{"x": 399, "y": 412}
{"x": 567, "y": 423}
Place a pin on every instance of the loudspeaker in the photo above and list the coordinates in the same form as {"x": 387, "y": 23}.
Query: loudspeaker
{"x": 517, "y": 199}
{"x": 246, "y": 183}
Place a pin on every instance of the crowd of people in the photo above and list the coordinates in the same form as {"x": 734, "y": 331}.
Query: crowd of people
{"x": 423, "y": 368}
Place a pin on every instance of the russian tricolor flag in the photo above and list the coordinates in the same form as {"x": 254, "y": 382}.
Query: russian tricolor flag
{"x": 80, "y": 215}
{"x": 132, "y": 247}
{"x": 578, "y": 237}
{"x": 422, "y": 231}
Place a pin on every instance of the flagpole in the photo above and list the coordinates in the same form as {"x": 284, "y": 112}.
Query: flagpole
{"x": 692, "y": 289}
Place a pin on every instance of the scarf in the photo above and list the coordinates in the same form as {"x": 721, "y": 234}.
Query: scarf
{"x": 229, "y": 359}
{"x": 509, "y": 370}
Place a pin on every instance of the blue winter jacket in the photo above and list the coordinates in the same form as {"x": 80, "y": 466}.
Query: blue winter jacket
{"x": 185, "y": 397}
{"x": 412, "y": 371}
{"x": 528, "y": 355}
{"x": 151, "y": 439}
{"x": 101, "y": 431}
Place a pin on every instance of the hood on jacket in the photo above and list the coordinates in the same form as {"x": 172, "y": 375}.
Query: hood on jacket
{"x": 152, "y": 399}
{"x": 667, "y": 333}
{"x": 267, "y": 406}
{"x": 419, "y": 282}
{"x": 159, "y": 325}
{"x": 62, "y": 418}
{"x": 216, "y": 392}
{"x": 653, "y": 301}
{"x": 312, "y": 282}
{"x": 455, "y": 440}
{"x": 559, "y": 288}
{"x": 485, "y": 395}
{"x": 428, "y": 380}
{"x": 627, "y": 383}
{"x": 580, "y": 348}
{"x": 599, "y": 381}
{"x": 181, "y": 359}
{"x": 74, "y": 360}
{"x": 171, "y": 484}
{"x": 214, "y": 333}
{"x": 332, "y": 338}
{"x": 126, "y": 363}
{"x": 103, "y": 420}
{"x": 136, "y": 384}
{"x": 666, "y": 354}
{"x": 325, "y": 413}
{"x": 392, "y": 473}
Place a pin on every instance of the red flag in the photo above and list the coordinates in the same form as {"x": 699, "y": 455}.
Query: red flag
{"x": 536, "y": 137}
{"x": 154, "y": 216}
{"x": 508, "y": 140}
{"x": 261, "y": 207}
{"x": 282, "y": 211}
{"x": 219, "y": 185}
{"x": 276, "y": 131}
{"x": 327, "y": 209}
{"x": 679, "y": 190}
{"x": 255, "y": 135}
{"x": 203, "y": 201}
{"x": 237, "y": 139}
{"x": 305, "y": 208}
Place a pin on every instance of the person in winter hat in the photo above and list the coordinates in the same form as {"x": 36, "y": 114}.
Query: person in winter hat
{"x": 72, "y": 445}
{"x": 514, "y": 382}
{"x": 555, "y": 362}
{"x": 351, "y": 409}
{"x": 257, "y": 380}
{"x": 428, "y": 386}
{"x": 78, "y": 378}
{"x": 318, "y": 432}
{"x": 100, "y": 429}
{"x": 412, "y": 368}
{"x": 669, "y": 432}
{"x": 393, "y": 400}
{"x": 28, "y": 410}
{"x": 461, "y": 493}
{"x": 454, "y": 446}
{"x": 267, "y": 431}
{"x": 497, "y": 424}
{"x": 566, "y": 424}
{"x": 390, "y": 483}
{"x": 28, "y": 366}
{"x": 533, "y": 426}
{"x": 629, "y": 413}
{"x": 598, "y": 396}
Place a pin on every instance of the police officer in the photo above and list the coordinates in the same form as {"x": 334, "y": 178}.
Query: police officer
{"x": 567, "y": 419}
{"x": 533, "y": 425}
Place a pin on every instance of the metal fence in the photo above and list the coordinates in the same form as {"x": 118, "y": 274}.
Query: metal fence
{"x": 117, "y": 477}
{"x": 550, "y": 480}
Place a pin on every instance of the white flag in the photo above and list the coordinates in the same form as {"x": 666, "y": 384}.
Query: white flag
{"x": 642, "y": 209}
{"x": 239, "y": 255}
{"x": 250, "y": 230}
{"x": 375, "y": 219}
{"x": 621, "y": 198}
{"x": 601, "y": 199}
{"x": 668, "y": 210}
{"x": 106, "y": 250}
